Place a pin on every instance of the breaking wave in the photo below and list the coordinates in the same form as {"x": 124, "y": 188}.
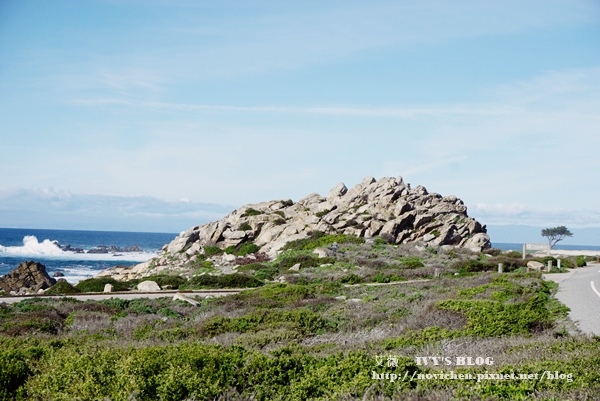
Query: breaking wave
{"x": 51, "y": 249}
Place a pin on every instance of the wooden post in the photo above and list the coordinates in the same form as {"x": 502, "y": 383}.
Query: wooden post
{"x": 436, "y": 272}
{"x": 558, "y": 263}
{"x": 549, "y": 265}
{"x": 500, "y": 268}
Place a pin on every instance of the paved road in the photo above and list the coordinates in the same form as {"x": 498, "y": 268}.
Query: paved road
{"x": 579, "y": 289}
{"x": 129, "y": 295}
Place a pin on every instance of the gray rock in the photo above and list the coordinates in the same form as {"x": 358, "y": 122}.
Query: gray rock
{"x": 28, "y": 277}
{"x": 148, "y": 286}
{"x": 477, "y": 242}
{"x": 535, "y": 266}
{"x": 387, "y": 207}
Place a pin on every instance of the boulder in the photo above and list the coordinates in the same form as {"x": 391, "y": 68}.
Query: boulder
{"x": 28, "y": 277}
{"x": 387, "y": 207}
{"x": 535, "y": 266}
{"x": 108, "y": 288}
{"x": 148, "y": 286}
{"x": 477, "y": 242}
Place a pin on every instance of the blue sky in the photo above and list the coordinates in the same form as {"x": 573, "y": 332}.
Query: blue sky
{"x": 159, "y": 115}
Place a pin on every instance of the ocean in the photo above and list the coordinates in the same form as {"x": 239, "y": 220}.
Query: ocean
{"x": 76, "y": 254}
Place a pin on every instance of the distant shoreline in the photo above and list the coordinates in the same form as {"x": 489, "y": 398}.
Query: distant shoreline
{"x": 564, "y": 249}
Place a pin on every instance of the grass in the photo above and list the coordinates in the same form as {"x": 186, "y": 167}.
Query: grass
{"x": 308, "y": 338}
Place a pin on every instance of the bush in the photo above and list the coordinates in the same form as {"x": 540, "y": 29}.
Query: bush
{"x": 14, "y": 371}
{"x": 97, "y": 284}
{"x": 242, "y": 249}
{"x": 472, "y": 266}
{"x": 63, "y": 288}
{"x": 318, "y": 239}
{"x": 251, "y": 212}
{"x": 235, "y": 280}
{"x": 211, "y": 250}
{"x": 301, "y": 320}
{"x": 514, "y": 254}
{"x": 351, "y": 279}
{"x": 259, "y": 270}
{"x": 163, "y": 280}
{"x": 411, "y": 262}
{"x": 305, "y": 261}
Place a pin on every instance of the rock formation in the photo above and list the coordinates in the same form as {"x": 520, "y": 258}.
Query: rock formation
{"x": 28, "y": 277}
{"x": 388, "y": 208}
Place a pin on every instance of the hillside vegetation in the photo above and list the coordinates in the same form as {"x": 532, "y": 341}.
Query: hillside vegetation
{"x": 353, "y": 325}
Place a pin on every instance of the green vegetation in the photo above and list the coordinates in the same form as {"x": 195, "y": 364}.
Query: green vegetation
{"x": 252, "y": 212}
{"x": 243, "y": 249}
{"x": 235, "y": 280}
{"x": 211, "y": 250}
{"x": 318, "y": 239}
{"x": 97, "y": 285}
{"x": 556, "y": 234}
{"x": 62, "y": 288}
{"x": 320, "y": 335}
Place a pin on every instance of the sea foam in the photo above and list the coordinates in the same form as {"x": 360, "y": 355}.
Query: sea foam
{"x": 33, "y": 248}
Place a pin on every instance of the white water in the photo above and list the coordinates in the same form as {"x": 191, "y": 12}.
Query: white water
{"x": 48, "y": 249}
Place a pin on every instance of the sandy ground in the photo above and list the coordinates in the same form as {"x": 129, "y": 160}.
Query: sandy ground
{"x": 562, "y": 252}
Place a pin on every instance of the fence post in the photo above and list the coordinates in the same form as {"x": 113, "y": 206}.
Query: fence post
{"x": 500, "y": 267}
{"x": 549, "y": 265}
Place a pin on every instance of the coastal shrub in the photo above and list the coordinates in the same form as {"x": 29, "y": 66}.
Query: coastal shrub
{"x": 472, "y": 266}
{"x": 165, "y": 281}
{"x": 503, "y": 314}
{"x": 235, "y": 280}
{"x": 547, "y": 259}
{"x": 300, "y": 320}
{"x": 211, "y": 250}
{"x": 62, "y": 288}
{"x": 31, "y": 305}
{"x": 493, "y": 251}
{"x": 97, "y": 284}
{"x": 513, "y": 254}
{"x": 411, "y": 262}
{"x": 318, "y": 239}
{"x": 14, "y": 371}
{"x": 322, "y": 213}
{"x": 279, "y": 295}
{"x": 242, "y": 249}
{"x": 251, "y": 212}
{"x": 351, "y": 279}
{"x": 245, "y": 227}
{"x": 266, "y": 273}
{"x": 47, "y": 321}
{"x": 304, "y": 259}
{"x": 251, "y": 267}
{"x": 380, "y": 277}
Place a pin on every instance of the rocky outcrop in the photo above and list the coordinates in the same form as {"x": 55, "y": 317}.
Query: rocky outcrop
{"x": 388, "y": 208}
{"x": 28, "y": 277}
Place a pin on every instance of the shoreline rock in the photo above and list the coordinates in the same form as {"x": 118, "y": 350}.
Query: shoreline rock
{"x": 386, "y": 208}
{"x": 28, "y": 278}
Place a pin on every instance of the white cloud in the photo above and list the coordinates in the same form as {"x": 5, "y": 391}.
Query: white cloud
{"x": 518, "y": 214}
{"x": 49, "y": 208}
